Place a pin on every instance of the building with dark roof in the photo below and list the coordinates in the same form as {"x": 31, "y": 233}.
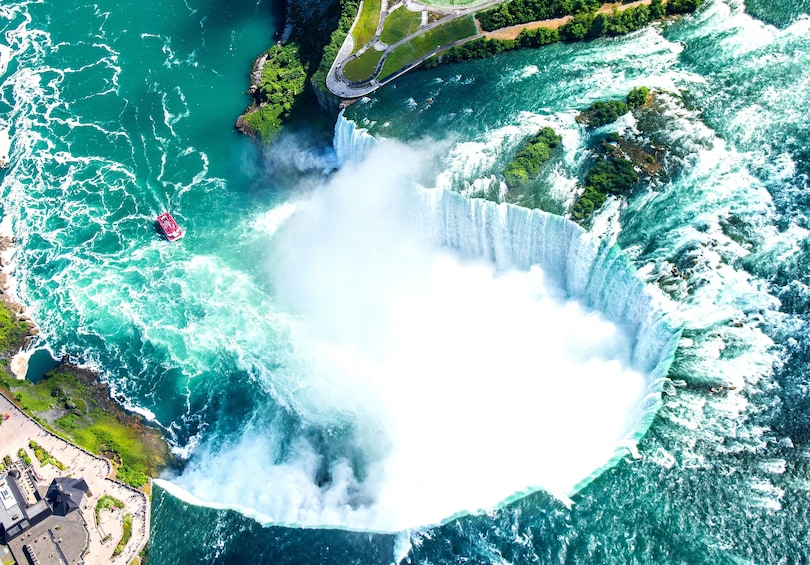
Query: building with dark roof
{"x": 43, "y": 530}
{"x": 17, "y": 512}
{"x": 66, "y": 494}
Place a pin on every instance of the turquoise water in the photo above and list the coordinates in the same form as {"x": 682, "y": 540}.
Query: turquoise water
{"x": 264, "y": 346}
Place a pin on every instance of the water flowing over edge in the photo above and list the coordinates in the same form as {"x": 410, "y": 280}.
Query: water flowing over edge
{"x": 588, "y": 269}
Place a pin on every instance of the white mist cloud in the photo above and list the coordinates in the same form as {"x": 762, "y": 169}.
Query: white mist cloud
{"x": 460, "y": 385}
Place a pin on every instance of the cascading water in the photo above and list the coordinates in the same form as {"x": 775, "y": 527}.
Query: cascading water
{"x": 428, "y": 328}
{"x": 111, "y": 116}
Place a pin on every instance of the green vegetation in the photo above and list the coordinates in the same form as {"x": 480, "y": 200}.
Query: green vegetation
{"x": 367, "y": 23}
{"x": 362, "y": 67}
{"x": 299, "y": 69}
{"x": 400, "y": 24}
{"x": 638, "y": 96}
{"x": 421, "y": 45}
{"x": 608, "y": 176}
{"x": 583, "y": 25}
{"x": 12, "y": 330}
{"x": 682, "y": 6}
{"x": 588, "y": 25}
{"x": 125, "y": 536}
{"x": 482, "y": 48}
{"x": 21, "y": 454}
{"x": 44, "y": 457}
{"x": 104, "y": 502}
{"x": 283, "y": 79}
{"x": 131, "y": 476}
{"x": 525, "y": 11}
{"x": 348, "y": 10}
{"x": 80, "y": 410}
{"x": 602, "y": 113}
{"x": 530, "y": 158}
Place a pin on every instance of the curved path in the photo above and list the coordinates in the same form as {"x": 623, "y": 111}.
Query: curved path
{"x": 338, "y": 84}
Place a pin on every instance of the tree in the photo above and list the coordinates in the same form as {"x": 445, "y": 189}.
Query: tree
{"x": 638, "y": 96}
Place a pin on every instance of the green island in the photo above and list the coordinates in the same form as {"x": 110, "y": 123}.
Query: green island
{"x": 530, "y": 158}
{"x": 619, "y": 163}
{"x": 615, "y": 171}
{"x": 288, "y": 80}
{"x": 337, "y": 53}
{"x": 283, "y": 79}
{"x": 610, "y": 175}
{"x": 602, "y": 112}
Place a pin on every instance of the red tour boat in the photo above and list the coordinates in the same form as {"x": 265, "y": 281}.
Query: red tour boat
{"x": 169, "y": 227}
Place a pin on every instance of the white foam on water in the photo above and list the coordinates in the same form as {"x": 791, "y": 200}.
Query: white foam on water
{"x": 472, "y": 166}
{"x": 440, "y": 367}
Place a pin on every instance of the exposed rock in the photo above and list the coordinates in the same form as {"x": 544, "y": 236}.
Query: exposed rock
{"x": 243, "y": 126}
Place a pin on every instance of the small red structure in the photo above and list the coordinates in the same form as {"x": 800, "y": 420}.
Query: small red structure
{"x": 169, "y": 228}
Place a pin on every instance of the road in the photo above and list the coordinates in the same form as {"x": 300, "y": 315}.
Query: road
{"x": 340, "y": 86}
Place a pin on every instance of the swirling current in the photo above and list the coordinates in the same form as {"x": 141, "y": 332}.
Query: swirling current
{"x": 358, "y": 360}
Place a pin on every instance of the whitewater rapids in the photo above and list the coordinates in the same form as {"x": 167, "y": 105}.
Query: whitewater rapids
{"x": 445, "y": 355}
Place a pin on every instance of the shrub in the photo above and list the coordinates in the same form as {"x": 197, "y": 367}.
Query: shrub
{"x": 524, "y": 11}
{"x": 12, "y": 330}
{"x": 602, "y": 113}
{"x": 638, "y": 96}
{"x": 348, "y": 10}
{"x": 531, "y": 157}
{"x": 577, "y": 28}
{"x": 284, "y": 76}
{"x": 125, "y": 536}
{"x": 607, "y": 176}
{"x": 612, "y": 176}
{"x": 131, "y": 476}
{"x": 682, "y": 6}
{"x": 107, "y": 501}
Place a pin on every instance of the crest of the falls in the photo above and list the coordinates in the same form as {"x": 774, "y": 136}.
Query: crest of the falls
{"x": 433, "y": 338}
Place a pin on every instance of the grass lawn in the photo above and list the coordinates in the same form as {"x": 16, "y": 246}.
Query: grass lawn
{"x": 366, "y": 23}
{"x": 423, "y": 44}
{"x": 361, "y": 68}
{"x": 84, "y": 415}
{"x": 400, "y": 24}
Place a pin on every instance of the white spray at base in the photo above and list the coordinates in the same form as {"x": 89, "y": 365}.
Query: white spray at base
{"x": 458, "y": 354}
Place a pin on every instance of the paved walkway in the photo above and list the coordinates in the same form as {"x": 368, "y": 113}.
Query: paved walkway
{"x": 18, "y": 430}
{"x": 340, "y": 86}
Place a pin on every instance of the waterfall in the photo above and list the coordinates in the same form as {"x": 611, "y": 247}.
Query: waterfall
{"x": 513, "y": 237}
{"x": 350, "y": 141}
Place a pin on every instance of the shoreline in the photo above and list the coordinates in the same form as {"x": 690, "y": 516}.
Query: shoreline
{"x": 25, "y": 425}
{"x": 21, "y": 351}
{"x": 512, "y": 32}
{"x": 19, "y": 429}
